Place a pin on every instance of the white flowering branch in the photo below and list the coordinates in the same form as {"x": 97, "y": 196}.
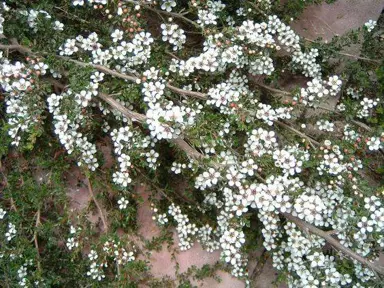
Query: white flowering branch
{"x": 132, "y": 78}
{"x": 306, "y": 227}
{"x": 282, "y": 92}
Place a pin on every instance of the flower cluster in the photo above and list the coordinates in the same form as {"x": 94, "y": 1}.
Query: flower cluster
{"x": 73, "y": 240}
{"x": 317, "y": 90}
{"x": 262, "y": 66}
{"x": 366, "y": 106}
{"x": 95, "y": 271}
{"x": 307, "y": 62}
{"x": 120, "y": 255}
{"x": 161, "y": 219}
{"x": 267, "y": 114}
{"x": 325, "y": 125}
{"x": 174, "y": 35}
{"x": 291, "y": 159}
{"x": 23, "y": 107}
{"x": 185, "y": 229}
{"x": 111, "y": 250}
{"x": 375, "y": 143}
{"x": 72, "y": 140}
{"x": 129, "y": 54}
{"x": 209, "y": 16}
{"x": 122, "y": 140}
{"x": 22, "y": 274}
{"x": 11, "y": 232}
{"x": 178, "y": 167}
{"x": 92, "y": 2}
{"x": 370, "y": 25}
{"x": 354, "y": 93}
{"x": 332, "y": 162}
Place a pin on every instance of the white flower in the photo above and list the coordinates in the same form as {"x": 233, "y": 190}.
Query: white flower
{"x": 11, "y": 233}
{"x": 93, "y": 255}
{"x": 2, "y": 213}
{"x": 117, "y": 35}
{"x": 72, "y": 243}
{"x": 123, "y": 203}
{"x": 58, "y": 26}
{"x": 370, "y": 25}
{"x": 168, "y": 5}
{"x": 78, "y": 2}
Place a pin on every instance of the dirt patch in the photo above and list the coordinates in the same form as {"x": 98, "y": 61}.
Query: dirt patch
{"x": 164, "y": 263}
{"x": 328, "y": 20}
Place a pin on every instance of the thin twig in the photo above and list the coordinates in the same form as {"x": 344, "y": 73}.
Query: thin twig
{"x": 173, "y": 14}
{"x": 349, "y": 55}
{"x": 358, "y": 57}
{"x": 71, "y": 15}
{"x": 358, "y": 123}
{"x": 259, "y": 267}
{"x": 311, "y": 141}
{"x": 276, "y": 91}
{"x": 13, "y": 206}
{"x": 37, "y": 224}
{"x": 103, "y": 219}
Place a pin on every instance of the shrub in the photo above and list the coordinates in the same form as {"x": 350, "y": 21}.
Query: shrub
{"x": 191, "y": 94}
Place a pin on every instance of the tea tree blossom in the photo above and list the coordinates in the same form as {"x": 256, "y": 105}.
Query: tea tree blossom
{"x": 167, "y": 5}
{"x": 123, "y": 203}
{"x": 11, "y": 232}
{"x": 2, "y": 213}
{"x": 370, "y": 25}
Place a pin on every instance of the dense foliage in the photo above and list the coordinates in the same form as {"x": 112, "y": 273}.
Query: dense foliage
{"x": 189, "y": 94}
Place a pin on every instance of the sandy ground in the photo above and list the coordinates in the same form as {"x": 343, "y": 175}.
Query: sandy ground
{"x": 162, "y": 263}
{"x": 328, "y": 20}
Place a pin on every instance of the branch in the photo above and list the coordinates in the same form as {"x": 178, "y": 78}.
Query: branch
{"x": 276, "y": 91}
{"x": 140, "y": 118}
{"x": 259, "y": 267}
{"x": 13, "y": 206}
{"x": 15, "y": 46}
{"x": 135, "y": 117}
{"x": 346, "y": 54}
{"x": 103, "y": 219}
{"x": 311, "y": 141}
{"x": 336, "y": 244}
{"x": 25, "y": 50}
{"x": 132, "y": 78}
{"x": 37, "y": 224}
{"x": 358, "y": 57}
{"x": 173, "y": 14}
